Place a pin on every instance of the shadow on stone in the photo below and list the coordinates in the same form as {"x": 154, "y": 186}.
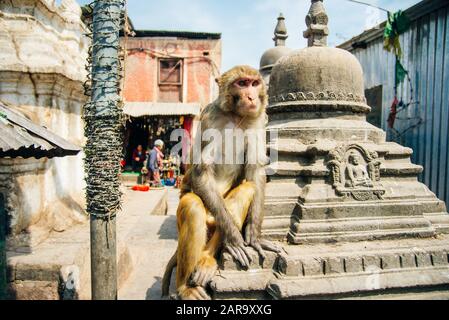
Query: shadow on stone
{"x": 168, "y": 229}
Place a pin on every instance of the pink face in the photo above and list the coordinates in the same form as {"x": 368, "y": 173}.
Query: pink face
{"x": 248, "y": 90}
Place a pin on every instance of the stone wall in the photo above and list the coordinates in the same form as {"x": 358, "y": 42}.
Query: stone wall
{"x": 42, "y": 60}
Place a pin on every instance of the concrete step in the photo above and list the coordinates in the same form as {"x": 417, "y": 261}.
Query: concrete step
{"x": 375, "y": 283}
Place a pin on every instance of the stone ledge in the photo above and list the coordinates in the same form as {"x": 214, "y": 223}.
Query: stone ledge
{"x": 296, "y": 288}
{"x": 34, "y": 290}
{"x": 241, "y": 284}
{"x": 330, "y": 264}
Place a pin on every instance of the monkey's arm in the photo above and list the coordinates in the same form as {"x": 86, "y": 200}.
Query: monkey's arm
{"x": 253, "y": 229}
{"x": 204, "y": 185}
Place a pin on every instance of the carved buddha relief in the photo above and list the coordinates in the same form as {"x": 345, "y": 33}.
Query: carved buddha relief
{"x": 355, "y": 173}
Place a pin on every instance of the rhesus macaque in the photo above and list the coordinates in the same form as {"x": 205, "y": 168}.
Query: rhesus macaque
{"x": 220, "y": 201}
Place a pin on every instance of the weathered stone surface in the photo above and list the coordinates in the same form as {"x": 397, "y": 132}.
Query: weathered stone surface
{"x": 331, "y": 287}
{"x": 440, "y": 258}
{"x": 241, "y": 284}
{"x": 37, "y": 272}
{"x": 227, "y": 262}
{"x": 33, "y": 290}
{"x": 354, "y": 264}
{"x": 390, "y": 261}
{"x": 312, "y": 266}
{"x": 317, "y": 109}
{"x": 42, "y": 60}
{"x": 408, "y": 260}
{"x": 423, "y": 259}
{"x": 334, "y": 265}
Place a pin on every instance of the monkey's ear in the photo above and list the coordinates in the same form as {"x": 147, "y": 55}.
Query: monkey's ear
{"x": 217, "y": 80}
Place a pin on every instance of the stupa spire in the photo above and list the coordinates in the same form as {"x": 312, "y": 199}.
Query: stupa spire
{"x": 316, "y": 21}
{"x": 280, "y": 33}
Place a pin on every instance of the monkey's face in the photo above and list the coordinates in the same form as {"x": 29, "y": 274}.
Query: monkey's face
{"x": 247, "y": 94}
{"x": 242, "y": 92}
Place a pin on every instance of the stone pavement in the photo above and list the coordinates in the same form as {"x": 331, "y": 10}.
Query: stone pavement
{"x": 153, "y": 242}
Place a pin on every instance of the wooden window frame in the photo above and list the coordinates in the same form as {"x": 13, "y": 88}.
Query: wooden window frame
{"x": 181, "y": 76}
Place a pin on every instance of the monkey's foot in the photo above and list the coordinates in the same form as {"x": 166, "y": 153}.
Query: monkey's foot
{"x": 193, "y": 293}
{"x": 204, "y": 272}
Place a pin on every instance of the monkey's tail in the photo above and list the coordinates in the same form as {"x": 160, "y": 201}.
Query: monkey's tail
{"x": 167, "y": 274}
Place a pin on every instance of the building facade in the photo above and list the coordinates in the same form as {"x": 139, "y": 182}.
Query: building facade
{"x": 423, "y": 117}
{"x": 169, "y": 76}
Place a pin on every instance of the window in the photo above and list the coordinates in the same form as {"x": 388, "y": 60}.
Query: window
{"x": 170, "y": 80}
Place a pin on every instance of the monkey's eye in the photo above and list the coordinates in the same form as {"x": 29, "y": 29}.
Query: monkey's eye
{"x": 242, "y": 83}
{"x": 256, "y": 83}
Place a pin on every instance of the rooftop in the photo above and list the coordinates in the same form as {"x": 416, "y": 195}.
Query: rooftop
{"x": 177, "y": 34}
{"x": 414, "y": 13}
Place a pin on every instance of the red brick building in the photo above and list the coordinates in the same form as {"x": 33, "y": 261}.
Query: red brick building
{"x": 169, "y": 76}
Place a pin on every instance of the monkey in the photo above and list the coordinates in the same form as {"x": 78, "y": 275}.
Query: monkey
{"x": 221, "y": 204}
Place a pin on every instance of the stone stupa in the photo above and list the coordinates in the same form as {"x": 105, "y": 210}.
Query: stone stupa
{"x": 272, "y": 55}
{"x": 347, "y": 205}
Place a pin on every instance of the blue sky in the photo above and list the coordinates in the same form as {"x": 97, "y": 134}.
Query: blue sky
{"x": 247, "y": 25}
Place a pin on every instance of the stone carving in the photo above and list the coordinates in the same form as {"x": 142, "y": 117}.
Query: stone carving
{"x": 316, "y": 21}
{"x": 355, "y": 172}
{"x": 320, "y": 96}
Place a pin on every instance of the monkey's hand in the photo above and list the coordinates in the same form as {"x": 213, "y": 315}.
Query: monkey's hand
{"x": 252, "y": 239}
{"x": 262, "y": 244}
{"x": 239, "y": 251}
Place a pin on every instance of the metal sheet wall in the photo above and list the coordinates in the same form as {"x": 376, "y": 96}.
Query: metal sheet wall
{"x": 426, "y": 56}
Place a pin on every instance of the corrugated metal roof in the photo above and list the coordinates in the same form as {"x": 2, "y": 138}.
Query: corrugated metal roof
{"x": 413, "y": 13}
{"x": 177, "y": 34}
{"x": 138, "y": 109}
{"x": 20, "y": 137}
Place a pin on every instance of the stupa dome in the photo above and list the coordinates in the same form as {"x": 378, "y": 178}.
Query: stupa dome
{"x": 317, "y": 77}
{"x": 272, "y": 55}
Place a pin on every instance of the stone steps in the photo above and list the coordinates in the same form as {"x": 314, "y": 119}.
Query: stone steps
{"x": 376, "y": 269}
{"x": 374, "y": 282}
{"x": 293, "y": 169}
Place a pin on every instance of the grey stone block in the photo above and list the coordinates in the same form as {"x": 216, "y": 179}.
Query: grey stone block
{"x": 370, "y": 262}
{"x": 334, "y": 265}
{"x": 408, "y": 260}
{"x": 390, "y": 261}
{"x": 423, "y": 259}
{"x": 353, "y": 264}
{"x": 312, "y": 266}
{"x": 33, "y": 290}
{"x": 37, "y": 272}
{"x": 440, "y": 258}
{"x": 289, "y": 266}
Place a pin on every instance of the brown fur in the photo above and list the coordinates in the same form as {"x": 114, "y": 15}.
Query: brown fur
{"x": 220, "y": 201}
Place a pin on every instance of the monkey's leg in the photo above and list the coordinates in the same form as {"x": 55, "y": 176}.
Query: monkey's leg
{"x": 191, "y": 217}
{"x": 237, "y": 202}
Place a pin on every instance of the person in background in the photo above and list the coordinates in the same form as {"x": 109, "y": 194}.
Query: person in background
{"x": 138, "y": 158}
{"x": 155, "y": 163}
